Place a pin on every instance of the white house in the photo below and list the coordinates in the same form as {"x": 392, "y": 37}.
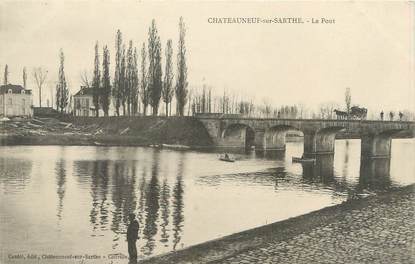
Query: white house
{"x": 84, "y": 104}
{"x": 15, "y": 101}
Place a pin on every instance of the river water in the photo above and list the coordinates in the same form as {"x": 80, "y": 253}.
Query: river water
{"x": 61, "y": 200}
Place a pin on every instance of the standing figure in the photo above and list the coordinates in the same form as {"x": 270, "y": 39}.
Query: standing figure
{"x": 400, "y": 116}
{"x": 381, "y": 115}
{"x": 132, "y": 236}
{"x": 391, "y": 115}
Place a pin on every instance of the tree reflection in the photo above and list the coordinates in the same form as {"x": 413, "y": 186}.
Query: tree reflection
{"x": 345, "y": 171}
{"x": 151, "y": 206}
{"x": 165, "y": 211}
{"x": 118, "y": 182}
{"x": 178, "y": 191}
{"x": 60, "y": 172}
{"x": 99, "y": 191}
{"x": 126, "y": 186}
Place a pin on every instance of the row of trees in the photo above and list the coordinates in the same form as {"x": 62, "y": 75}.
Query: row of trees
{"x": 203, "y": 101}
{"x": 134, "y": 90}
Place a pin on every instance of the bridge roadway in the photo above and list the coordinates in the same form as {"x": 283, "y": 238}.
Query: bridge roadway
{"x": 319, "y": 134}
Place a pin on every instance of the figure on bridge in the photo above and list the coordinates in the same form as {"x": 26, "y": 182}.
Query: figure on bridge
{"x": 391, "y": 114}
{"x": 400, "y": 116}
{"x": 381, "y": 115}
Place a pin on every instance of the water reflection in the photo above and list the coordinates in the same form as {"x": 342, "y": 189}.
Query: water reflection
{"x": 374, "y": 175}
{"x": 99, "y": 191}
{"x": 320, "y": 172}
{"x": 119, "y": 187}
{"x": 165, "y": 211}
{"x": 60, "y": 182}
{"x": 103, "y": 185}
{"x": 277, "y": 155}
{"x": 345, "y": 171}
{"x": 152, "y": 206}
{"x": 178, "y": 205}
{"x": 15, "y": 174}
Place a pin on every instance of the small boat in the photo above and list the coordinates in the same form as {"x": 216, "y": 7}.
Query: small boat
{"x": 305, "y": 160}
{"x": 226, "y": 157}
{"x": 96, "y": 143}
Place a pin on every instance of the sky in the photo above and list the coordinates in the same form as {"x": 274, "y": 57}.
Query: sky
{"x": 369, "y": 48}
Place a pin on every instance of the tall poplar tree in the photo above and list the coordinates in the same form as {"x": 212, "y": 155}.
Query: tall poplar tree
{"x": 144, "y": 79}
{"x": 134, "y": 83}
{"x": 105, "y": 98}
{"x": 6, "y": 75}
{"x": 348, "y": 100}
{"x": 129, "y": 90}
{"x": 123, "y": 81}
{"x": 168, "y": 91}
{"x": 155, "y": 83}
{"x": 181, "y": 77}
{"x": 62, "y": 89}
{"x": 24, "y": 77}
{"x": 116, "y": 92}
{"x": 96, "y": 81}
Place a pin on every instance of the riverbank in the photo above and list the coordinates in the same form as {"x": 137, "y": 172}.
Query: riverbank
{"x": 111, "y": 131}
{"x": 376, "y": 229}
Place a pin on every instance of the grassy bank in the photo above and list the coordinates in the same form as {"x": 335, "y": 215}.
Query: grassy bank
{"x": 134, "y": 131}
{"x": 216, "y": 250}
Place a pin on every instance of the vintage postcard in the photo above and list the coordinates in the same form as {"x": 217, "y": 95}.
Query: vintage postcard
{"x": 207, "y": 132}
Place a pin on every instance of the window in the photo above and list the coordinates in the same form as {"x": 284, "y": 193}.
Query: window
{"x": 23, "y": 92}
{"x": 87, "y": 103}
{"x": 23, "y": 102}
{"x": 10, "y": 101}
{"x": 9, "y": 91}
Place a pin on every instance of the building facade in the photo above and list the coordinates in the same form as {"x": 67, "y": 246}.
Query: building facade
{"x": 83, "y": 104}
{"x": 15, "y": 101}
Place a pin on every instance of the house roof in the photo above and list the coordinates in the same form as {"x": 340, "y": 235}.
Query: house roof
{"x": 84, "y": 91}
{"x": 16, "y": 89}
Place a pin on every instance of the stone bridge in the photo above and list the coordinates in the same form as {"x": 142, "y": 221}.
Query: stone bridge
{"x": 319, "y": 134}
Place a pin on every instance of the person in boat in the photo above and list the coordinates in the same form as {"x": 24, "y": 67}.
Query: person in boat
{"x": 226, "y": 156}
{"x": 132, "y": 236}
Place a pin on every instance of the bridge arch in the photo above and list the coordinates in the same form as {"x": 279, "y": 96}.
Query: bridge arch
{"x": 275, "y": 137}
{"x": 238, "y": 135}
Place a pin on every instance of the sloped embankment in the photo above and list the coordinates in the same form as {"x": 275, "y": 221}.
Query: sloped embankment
{"x": 145, "y": 130}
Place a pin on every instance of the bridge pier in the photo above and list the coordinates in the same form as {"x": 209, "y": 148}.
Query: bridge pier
{"x": 269, "y": 139}
{"x": 319, "y": 142}
{"x": 376, "y": 146}
{"x": 259, "y": 141}
{"x": 275, "y": 139}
